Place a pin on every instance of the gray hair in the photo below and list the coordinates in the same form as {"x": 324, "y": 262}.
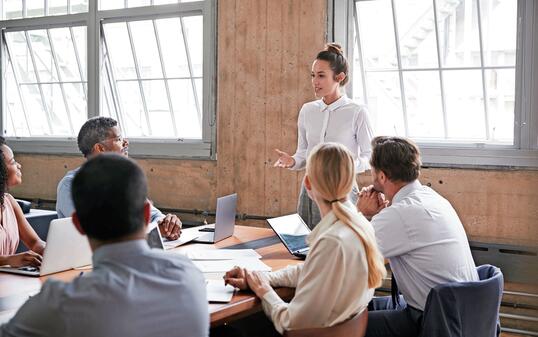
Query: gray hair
{"x": 94, "y": 131}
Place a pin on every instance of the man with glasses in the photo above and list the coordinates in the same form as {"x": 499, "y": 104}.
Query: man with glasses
{"x": 96, "y": 136}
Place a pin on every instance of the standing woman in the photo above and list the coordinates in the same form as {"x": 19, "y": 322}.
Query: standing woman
{"x": 13, "y": 224}
{"x": 332, "y": 118}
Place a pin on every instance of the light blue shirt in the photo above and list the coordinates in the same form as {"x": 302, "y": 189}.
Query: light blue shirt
{"x": 425, "y": 242}
{"x": 132, "y": 291}
{"x": 64, "y": 200}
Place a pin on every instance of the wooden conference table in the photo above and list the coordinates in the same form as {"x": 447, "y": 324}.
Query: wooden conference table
{"x": 15, "y": 289}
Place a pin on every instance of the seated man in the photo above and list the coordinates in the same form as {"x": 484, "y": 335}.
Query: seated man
{"x": 419, "y": 233}
{"x": 133, "y": 290}
{"x": 98, "y": 135}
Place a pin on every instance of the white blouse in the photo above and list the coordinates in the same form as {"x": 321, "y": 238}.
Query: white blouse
{"x": 342, "y": 121}
{"x": 332, "y": 284}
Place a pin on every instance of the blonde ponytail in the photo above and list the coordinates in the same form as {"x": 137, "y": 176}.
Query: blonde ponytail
{"x": 330, "y": 168}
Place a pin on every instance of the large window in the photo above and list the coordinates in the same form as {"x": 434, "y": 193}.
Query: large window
{"x": 448, "y": 73}
{"x": 148, "y": 64}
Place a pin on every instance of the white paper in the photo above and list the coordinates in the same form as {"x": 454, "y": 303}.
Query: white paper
{"x": 225, "y": 265}
{"x": 222, "y": 254}
{"x": 218, "y": 292}
{"x": 187, "y": 235}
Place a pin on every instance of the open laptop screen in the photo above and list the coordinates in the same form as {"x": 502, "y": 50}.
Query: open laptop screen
{"x": 292, "y": 231}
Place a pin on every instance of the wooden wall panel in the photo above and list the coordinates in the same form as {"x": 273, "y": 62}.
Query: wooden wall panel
{"x": 265, "y": 50}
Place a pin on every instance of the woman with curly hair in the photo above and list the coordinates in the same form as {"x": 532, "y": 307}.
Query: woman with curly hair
{"x": 13, "y": 224}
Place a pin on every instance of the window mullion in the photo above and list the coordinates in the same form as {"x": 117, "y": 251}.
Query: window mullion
{"x": 359, "y": 50}
{"x": 483, "y": 72}
{"x": 193, "y": 82}
{"x": 400, "y": 72}
{"x": 441, "y": 83}
{"x": 55, "y": 60}
{"x": 138, "y": 76}
{"x": 40, "y": 88}
{"x": 17, "y": 82}
{"x": 92, "y": 60}
{"x": 163, "y": 68}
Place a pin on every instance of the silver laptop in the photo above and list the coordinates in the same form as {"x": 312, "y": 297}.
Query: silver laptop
{"x": 66, "y": 249}
{"x": 292, "y": 231}
{"x": 224, "y": 220}
{"x": 154, "y": 237}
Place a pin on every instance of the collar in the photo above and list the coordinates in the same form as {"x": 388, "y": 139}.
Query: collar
{"x": 117, "y": 251}
{"x": 325, "y": 224}
{"x": 336, "y": 104}
{"x": 406, "y": 190}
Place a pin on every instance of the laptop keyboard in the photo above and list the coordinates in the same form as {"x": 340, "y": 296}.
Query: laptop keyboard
{"x": 29, "y": 268}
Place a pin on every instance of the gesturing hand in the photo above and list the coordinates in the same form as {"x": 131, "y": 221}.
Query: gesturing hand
{"x": 284, "y": 159}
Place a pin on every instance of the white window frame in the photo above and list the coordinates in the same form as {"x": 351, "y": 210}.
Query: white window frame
{"x": 204, "y": 148}
{"x": 524, "y": 152}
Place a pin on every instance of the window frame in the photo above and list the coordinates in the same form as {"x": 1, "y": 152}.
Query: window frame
{"x": 204, "y": 148}
{"x": 524, "y": 152}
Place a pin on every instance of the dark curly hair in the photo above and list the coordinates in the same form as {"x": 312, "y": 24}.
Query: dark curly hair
{"x": 3, "y": 173}
{"x": 95, "y": 130}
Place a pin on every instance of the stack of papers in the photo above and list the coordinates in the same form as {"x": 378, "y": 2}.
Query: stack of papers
{"x": 216, "y": 266}
{"x": 218, "y": 292}
{"x": 215, "y": 262}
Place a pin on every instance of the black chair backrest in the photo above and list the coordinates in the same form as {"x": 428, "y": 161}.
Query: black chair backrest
{"x": 465, "y": 308}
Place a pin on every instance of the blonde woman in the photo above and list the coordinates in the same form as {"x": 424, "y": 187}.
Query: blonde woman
{"x": 343, "y": 267}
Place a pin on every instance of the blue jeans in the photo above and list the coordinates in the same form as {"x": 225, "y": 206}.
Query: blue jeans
{"x": 384, "y": 321}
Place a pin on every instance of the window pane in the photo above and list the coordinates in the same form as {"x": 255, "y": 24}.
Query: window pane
{"x": 145, "y": 45}
{"x": 385, "y": 103}
{"x": 76, "y": 102}
{"x": 56, "y": 106}
{"x": 499, "y": 28}
{"x": 423, "y": 101}
{"x": 162, "y": 2}
{"x": 16, "y": 124}
{"x": 35, "y": 8}
{"x": 111, "y": 4}
{"x": 12, "y": 9}
{"x": 173, "y": 47}
{"x": 416, "y": 30}
{"x": 356, "y": 78}
{"x": 376, "y": 27}
{"x": 501, "y": 89}
{"x": 134, "y": 118}
{"x": 193, "y": 26}
{"x": 43, "y": 55}
{"x": 464, "y": 100}
{"x": 185, "y": 111}
{"x": 458, "y": 33}
{"x": 119, "y": 48}
{"x": 37, "y": 117}
{"x": 79, "y": 6}
{"x": 57, "y": 7}
{"x": 20, "y": 54}
{"x": 81, "y": 41}
{"x": 158, "y": 109}
{"x": 138, "y": 3}
{"x": 65, "y": 50}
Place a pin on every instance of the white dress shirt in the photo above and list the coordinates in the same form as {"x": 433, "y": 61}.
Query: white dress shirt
{"x": 332, "y": 284}
{"x": 132, "y": 291}
{"x": 342, "y": 121}
{"x": 425, "y": 242}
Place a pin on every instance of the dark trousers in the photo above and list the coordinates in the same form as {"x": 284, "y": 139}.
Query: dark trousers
{"x": 384, "y": 321}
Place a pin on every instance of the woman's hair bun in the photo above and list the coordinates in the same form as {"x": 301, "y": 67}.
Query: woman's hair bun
{"x": 334, "y": 48}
